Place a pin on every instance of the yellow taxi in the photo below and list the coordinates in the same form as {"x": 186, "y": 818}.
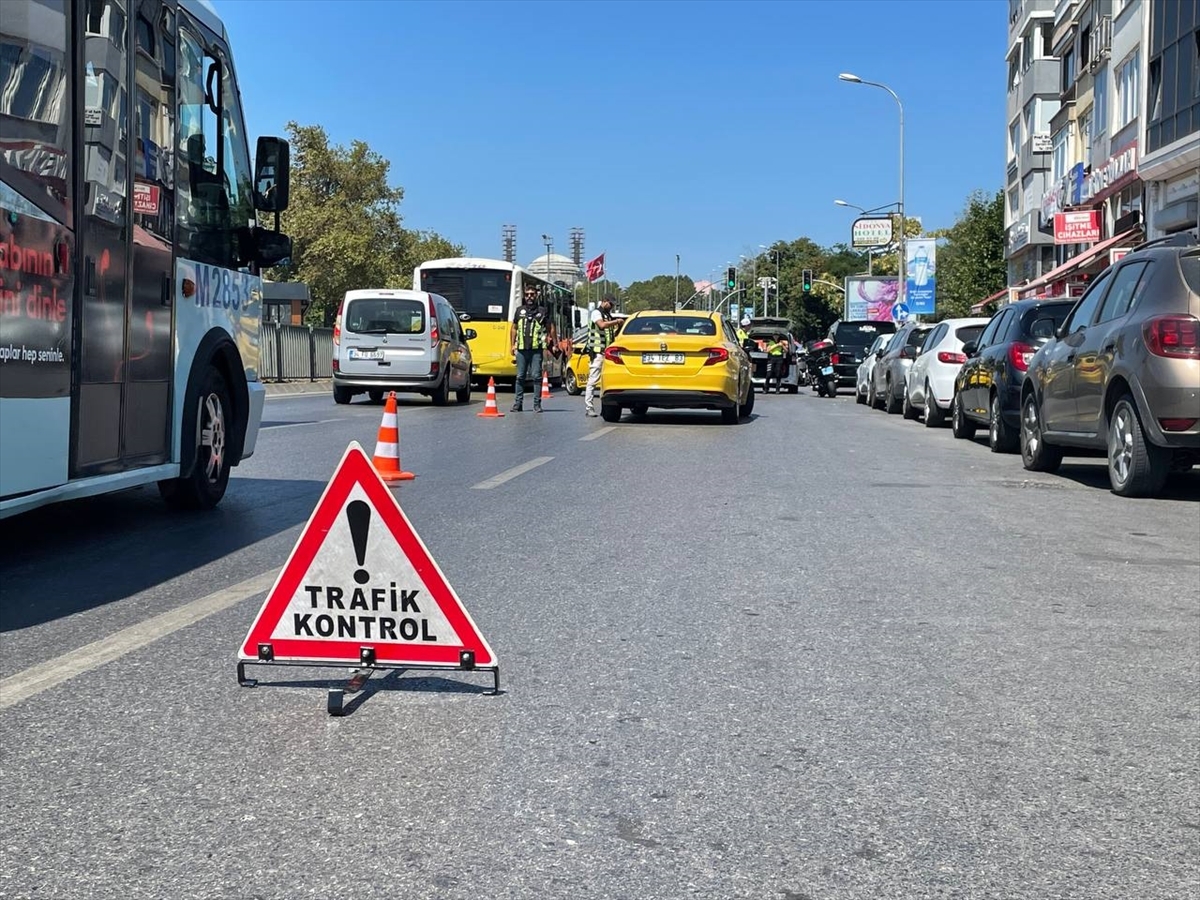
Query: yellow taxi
{"x": 676, "y": 360}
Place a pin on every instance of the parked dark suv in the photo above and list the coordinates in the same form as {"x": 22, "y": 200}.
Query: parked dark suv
{"x": 1122, "y": 374}
{"x": 851, "y": 340}
{"x": 987, "y": 390}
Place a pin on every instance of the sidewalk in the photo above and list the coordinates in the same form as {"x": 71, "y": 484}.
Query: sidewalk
{"x": 281, "y": 388}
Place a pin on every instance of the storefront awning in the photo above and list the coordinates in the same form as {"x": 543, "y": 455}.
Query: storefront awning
{"x": 983, "y": 304}
{"x": 1081, "y": 261}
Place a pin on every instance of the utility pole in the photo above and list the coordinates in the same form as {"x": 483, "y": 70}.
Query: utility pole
{"x": 676, "y": 282}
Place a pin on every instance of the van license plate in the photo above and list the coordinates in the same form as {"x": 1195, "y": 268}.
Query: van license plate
{"x": 659, "y": 359}
{"x": 365, "y": 354}
{"x": 827, "y": 370}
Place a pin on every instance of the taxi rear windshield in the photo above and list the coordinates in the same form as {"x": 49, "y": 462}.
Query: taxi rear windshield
{"x": 671, "y": 325}
{"x": 385, "y": 315}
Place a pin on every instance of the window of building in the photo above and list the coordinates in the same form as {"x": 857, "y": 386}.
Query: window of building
{"x": 1014, "y": 204}
{"x": 1127, "y": 102}
{"x": 1100, "y": 103}
{"x": 1068, "y": 71}
{"x": 1046, "y": 30}
{"x": 1014, "y": 139}
{"x": 1060, "y": 154}
{"x": 1027, "y": 51}
{"x": 1014, "y": 74}
{"x": 1085, "y": 45}
{"x": 1173, "y": 95}
{"x": 1084, "y": 124}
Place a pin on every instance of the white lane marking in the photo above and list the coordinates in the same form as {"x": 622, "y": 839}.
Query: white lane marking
{"x": 510, "y": 474}
{"x": 596, "y": 434}
{"x": 298, "y": 424}
{"x": 44, "y": 676}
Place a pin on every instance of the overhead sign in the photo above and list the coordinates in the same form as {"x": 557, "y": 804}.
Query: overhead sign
{"x": 871, "y": 231}
{"x": 1080, "y": 227}
{"x": 360, "y": 578}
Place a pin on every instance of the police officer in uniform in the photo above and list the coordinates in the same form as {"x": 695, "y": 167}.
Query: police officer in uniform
{"x": 601, "y": 327}
{"x": 776, "y": 350}
{"x": 532, "y": 331}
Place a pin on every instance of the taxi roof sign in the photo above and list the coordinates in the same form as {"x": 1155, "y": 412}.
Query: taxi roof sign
{"x": 360, "y": 585}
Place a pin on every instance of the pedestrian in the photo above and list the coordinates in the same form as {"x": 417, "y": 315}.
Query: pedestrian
{"x": 776, "y": 349}
{"x": 532, "y": 331}
{"x": 601, "y": 328}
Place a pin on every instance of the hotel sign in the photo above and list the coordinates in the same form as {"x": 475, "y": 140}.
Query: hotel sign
{"x": 871, "y": 231}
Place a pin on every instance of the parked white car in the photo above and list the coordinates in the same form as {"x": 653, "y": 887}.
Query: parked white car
{"x": 930, "y": 380}
{"x": 866, "y": 368}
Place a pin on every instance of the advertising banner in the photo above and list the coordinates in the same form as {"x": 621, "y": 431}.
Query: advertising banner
{"x": 921, "y": 257}
{"x": 872, "y": 297}
{"x": 1080, "y": 227}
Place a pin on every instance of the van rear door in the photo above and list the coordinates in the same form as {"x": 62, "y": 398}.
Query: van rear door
{"x": 385, "y": 336}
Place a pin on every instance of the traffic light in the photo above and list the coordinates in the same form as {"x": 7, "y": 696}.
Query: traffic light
{"x": 806, "y": 281}
{"x": 731, "y": 278}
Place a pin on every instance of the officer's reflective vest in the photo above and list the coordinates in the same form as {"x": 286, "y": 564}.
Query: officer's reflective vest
{"x": 598, "y": 338}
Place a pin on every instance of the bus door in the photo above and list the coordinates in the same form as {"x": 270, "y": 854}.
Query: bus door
{"x": 122, "y": 399}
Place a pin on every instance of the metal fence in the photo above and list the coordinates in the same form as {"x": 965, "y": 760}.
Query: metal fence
{"x": 295, "y": 352}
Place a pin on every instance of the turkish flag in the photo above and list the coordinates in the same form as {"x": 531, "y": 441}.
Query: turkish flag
{"x": 595, "y": 268}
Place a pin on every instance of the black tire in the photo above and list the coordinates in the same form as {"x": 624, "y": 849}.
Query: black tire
{"x": 860, "y": 396}
{"x": 610, "y": 412}
{"x": 890, "y": 404}
{"x": 1036, "y": 454}
{"x": 441, "y": 393}
{"x": 729, "y": 415}
{"x": 205, "y": 486}
{"x": 831, "y": 387}
{"x": 873, "y": 399}
{"x": 909, "y": 411}
{"x": 934, "y": 417}
{"x": 960, "y": 426}
{"x": 463, "y": 394}
{"x": 342, "y": 396}
{"x": 1136, "y": 467}
{"x": 376, "y": 396}
{"x": 570, "y": 382}
{"x": 639, "y": 410}
{"x": 746, "y": 408}
{"x": 1000, "y": 436}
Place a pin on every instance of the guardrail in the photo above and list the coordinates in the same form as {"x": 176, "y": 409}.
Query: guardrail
{"x": 294, "y": 352}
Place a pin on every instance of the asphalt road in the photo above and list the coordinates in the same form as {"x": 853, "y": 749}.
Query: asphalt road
{"x": 822, "y": 654}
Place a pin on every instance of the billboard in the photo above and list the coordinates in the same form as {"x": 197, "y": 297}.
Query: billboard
{"x": 872, "y": 297}
{"x": 921, "y": 266}
{"x": 871, "y": 231}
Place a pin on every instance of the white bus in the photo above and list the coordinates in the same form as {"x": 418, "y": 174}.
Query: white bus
{"x": 130, "y": 252}
{"x": 486, "y": 293}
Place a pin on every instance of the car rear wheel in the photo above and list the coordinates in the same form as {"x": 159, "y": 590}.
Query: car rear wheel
{"x": 342, "y": 396}
{"x": 860, "y": 395}
{"x": 463, "y": 394}
{"x": 910, "y": 412}
{"x": 376, "y": 396}
{"x": 960, "y": 426}
{"x": 570, "y": 382}
{"x": 933, "y": 413}
{"x": 1036, "y": 454}
{"x": 1000, "y": 436}
{"x": 1136, "y": 467}
{"x": 610, "y": 412}
{"x": 891, "y": 404}
{"x": 441, "y": 393}
{"x": 729, "y": 415}
{"x": 746, "y": 408}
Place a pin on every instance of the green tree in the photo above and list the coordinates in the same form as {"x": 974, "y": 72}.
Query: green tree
{"x": 970, "y": 263}
{"x": 656, "y": 293}
{"x": 345, "y": 224}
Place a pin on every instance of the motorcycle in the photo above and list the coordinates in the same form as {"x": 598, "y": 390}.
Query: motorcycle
{"x": 820, "y": 368}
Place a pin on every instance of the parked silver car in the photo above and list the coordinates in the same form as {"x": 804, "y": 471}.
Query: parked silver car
{"x": 1122, "y": 374}
{"x": 400, "y": 340}
{"x": 866, "y": 368}
{"x": 891, "y": 372}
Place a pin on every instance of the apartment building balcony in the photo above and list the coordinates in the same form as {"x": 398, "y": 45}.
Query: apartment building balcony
{"x": 1040, "y": 80}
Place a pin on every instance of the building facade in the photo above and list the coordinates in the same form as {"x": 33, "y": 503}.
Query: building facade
{"x": 1170, "y": 132}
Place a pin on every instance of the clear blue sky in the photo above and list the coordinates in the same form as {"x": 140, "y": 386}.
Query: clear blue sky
{"x": 697, "y": 128}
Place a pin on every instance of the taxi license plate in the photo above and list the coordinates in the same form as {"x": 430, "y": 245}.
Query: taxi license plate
{"x": 659, "y": 359}
{"x": 365, "y": 354}
{"x": 827, "y": 370}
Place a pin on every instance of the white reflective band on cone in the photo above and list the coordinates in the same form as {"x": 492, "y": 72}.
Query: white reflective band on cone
{"x": 387, "y": 451}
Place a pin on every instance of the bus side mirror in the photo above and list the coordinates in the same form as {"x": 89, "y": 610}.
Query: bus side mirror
{"x": 272, "y": 175}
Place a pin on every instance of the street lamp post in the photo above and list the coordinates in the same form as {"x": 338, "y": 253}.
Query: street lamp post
{"x": 902, "y": 286}
{"x": 773, "y": 251}
{"x": 676, "y": 282}
{"x": 866, "y": 212}
{"x": 549, "y": 242}
{"x": 754, "y": 278}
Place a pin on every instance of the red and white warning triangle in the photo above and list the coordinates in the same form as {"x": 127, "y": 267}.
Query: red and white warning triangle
{"x": 360, "y": 576}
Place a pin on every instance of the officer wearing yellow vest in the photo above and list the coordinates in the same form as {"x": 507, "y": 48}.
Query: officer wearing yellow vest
{"x": 532, "y": 331}
{"x": 776, "y": 350}
{"x": 601, "y": 327}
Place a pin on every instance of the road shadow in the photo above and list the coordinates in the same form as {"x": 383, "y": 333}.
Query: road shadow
{"x": 394, "y": 681}
{"x": 1093, "y": 473}
{"x": 119, "y": 545}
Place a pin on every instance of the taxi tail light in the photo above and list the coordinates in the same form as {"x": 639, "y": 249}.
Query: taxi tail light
{"x": 1019, "y": 355}
{"x": 613, "y": 354}
{"x": 716, "y": 355}
{"x": 434, "y": 337}
{"x": 1174, "y": 337}
{"x": 955, "y": 359}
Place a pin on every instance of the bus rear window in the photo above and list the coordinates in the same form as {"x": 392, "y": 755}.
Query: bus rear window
{"x": 483, "y": 294}
{"x": 385, "y": 315}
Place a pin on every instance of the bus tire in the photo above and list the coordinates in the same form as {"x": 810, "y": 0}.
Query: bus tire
{"x": 204, "y": 487}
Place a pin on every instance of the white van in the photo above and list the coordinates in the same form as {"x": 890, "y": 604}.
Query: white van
{"x": 398, "y": 340}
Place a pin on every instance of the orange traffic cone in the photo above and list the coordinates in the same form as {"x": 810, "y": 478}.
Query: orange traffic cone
{"x": 387, "y": 446}
{"x": 490, "y": 409}
{"x": 545, "y": 385}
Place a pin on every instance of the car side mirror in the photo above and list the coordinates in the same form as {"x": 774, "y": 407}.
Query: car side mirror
{"x": 969, "y": 348}
{"x": 272, "y": 175}
{"x": 469, "y": 334}
{"x": 271, "y": 248}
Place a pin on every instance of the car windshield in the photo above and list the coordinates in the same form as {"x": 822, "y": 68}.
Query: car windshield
{"x": 385, "y": 315}
{"x": 671, "y": 325}
{"x": 858, "y": 337}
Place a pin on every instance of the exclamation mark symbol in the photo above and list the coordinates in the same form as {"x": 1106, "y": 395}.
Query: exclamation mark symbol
{"x": 358, "y": 514}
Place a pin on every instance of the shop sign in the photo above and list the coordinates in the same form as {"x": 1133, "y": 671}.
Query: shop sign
{"x": 1106, "y": 176}
{"x": 1078, "y": 227}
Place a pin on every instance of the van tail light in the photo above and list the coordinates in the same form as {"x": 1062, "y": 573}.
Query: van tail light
{"x": 434, "y": 367}
{"x": 716, "y": 355}
{"x": 337, "y": 325}
{"x": 833, "y": 360}
{"x": 1176, "y": 424}
{"x": 613, "y": 354}
{"x": 336, "y": 367}
{"x": 1020, "y": 354}
{"x": 954, "y": 359}
{"x": 1175, "y": 337}
{"x": 434, "y": 337}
